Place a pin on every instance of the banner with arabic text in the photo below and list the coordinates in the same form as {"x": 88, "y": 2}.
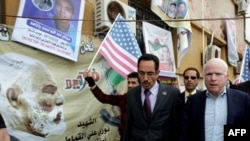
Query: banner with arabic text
{"x": 50, "y": 26}
{"x": 44, "y": 97}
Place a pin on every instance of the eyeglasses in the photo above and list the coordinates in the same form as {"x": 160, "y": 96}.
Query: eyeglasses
{"x": 192, "y": 77}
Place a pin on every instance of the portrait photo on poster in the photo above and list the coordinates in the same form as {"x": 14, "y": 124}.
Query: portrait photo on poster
{"x": 51, "y": 26}
{"x": 31, "y": 98}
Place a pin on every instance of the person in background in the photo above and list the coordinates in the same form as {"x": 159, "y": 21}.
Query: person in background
{"x": 4, "y": 136}
{"x": 151, "y": 106}
{"x": 190, "y": 79}
{"x": 208, "y": 111}
{"x": 242, "y": 86}
{"x": 116, "y": 100}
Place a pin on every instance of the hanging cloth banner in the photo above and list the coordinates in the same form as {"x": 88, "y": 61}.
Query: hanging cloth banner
{"x": 158, "y": 41}
{"x": 231, "y": 42}
{"x": 175, "y": 13}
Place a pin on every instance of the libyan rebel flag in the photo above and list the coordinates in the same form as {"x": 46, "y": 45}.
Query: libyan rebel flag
{"x": 114, "y": 77}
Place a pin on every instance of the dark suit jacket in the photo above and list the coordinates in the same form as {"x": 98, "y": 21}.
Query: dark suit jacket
{"x": 238, "y": 104}
{"x": 180, "y": 110}
{"x": 244, "y": 86}
{"x": 182, "y": 97}
{"x": 161, "y": 127}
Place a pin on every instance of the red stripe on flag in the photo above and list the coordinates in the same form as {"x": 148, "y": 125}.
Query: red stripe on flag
{"x": 117, "y": 58}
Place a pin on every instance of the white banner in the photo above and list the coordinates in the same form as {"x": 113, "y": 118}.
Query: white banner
{"x": 172, "y": 12}
{"x": 231, "y": 42}
{"x": 44, "y": 97}
{"x": 50, "y": 26}
{"x": 158, "y": 41}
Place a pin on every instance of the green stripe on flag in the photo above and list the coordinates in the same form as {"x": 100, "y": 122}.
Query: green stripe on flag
{"x": 114, "y": 77}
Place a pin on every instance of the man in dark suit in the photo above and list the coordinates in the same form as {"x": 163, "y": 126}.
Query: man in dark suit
{"x": 117, "y": 99}
{"x": 151, "y": 116}
{"x": 190, "y": 79}
{"x": 208, "y": 111}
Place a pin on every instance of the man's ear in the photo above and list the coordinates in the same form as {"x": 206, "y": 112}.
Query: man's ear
{"x": 13, "y": 95}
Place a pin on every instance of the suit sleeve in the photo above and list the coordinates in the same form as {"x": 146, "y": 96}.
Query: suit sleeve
{"x": 248, "y": 112}
{"x": 105, "y": 98}
{"x": 127, "y": 127}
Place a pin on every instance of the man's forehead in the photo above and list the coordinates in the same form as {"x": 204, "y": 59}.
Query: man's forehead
{"x": 146, "y": 66}
{"x": 133, "y": 79}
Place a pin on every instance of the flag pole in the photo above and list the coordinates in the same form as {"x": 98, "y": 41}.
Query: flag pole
{"x": 91, "y": 63}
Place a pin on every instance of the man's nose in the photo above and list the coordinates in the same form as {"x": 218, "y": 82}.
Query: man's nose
{"x": 58, "y": 117}
{"x": 145, "y": 77}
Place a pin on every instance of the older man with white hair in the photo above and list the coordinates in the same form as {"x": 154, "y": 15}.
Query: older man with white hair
{"x": 208, "y": 112}
{"x": 30, "y": 100}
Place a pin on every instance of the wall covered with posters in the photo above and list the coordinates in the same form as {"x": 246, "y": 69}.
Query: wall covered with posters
{"x": 45, "y": 97}
{"x": 197, "y": 10}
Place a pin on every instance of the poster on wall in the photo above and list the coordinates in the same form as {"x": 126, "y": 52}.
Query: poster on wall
{"x": 175, "y": 13}
{"x": 51, "y": 26}
{"x": 247, "y": 23}
{"x": 44, "y": 97}
{"x": 173, "y": 81}
{"x": 158, "y": 41}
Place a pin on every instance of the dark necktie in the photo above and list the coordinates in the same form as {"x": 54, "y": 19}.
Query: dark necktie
{"x": 147, "y": 105}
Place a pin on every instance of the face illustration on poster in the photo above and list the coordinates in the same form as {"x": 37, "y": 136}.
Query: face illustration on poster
{"x": 57, "y": 17}
{"x": 31, "y": 102}
{"x": 181, "y": 9}
{"x": 64, "y": 14}
{"x": 164, "y": 54}
{"x": 161, "y": 50}
{"x": 172, "y": 10}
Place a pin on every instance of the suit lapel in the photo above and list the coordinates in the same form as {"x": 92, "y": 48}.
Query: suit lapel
{"x": 201, "y": 104}
{"x": 230, "y": 106}
{"x": 161, "y": 96}
{"x": 140, "y": 104}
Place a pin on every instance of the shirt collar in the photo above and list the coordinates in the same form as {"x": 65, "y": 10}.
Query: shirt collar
{"x": 208, "y": 94}
{"x": 154, "y": 89}
{"x": 193, "y": 92}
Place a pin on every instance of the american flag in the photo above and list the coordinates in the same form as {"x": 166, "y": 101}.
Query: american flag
{"x": 245, "y": 69}
{"x": 120, "y": 47}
